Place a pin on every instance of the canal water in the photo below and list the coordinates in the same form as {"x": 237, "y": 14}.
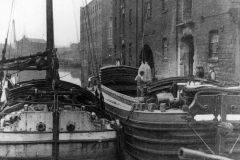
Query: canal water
{"x": 67, "y": 74}
{"x": 70, "y": 75}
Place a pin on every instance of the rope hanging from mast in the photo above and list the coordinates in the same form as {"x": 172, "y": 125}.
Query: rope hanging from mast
{"x": 206, "y": 145}
{"x": 75, "y": 21}
{"x": 89, "y": 46}
{"x": 6, "y": 39}
{"x": 143, "y": 32}
{"x": 5, "y": 45}
{"x": 90, "y": 39}
{"x": 94, "y": 57}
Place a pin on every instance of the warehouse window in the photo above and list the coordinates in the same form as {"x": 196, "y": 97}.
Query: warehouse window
{"x": 164, "y": 46}
{"x": 148, "y": 5}
{"x": 123, "y": 24}
{"x": 213, "y": 42}
{"x": 130, "y": 54}
{"x": 164, "y": 5}
{"x": 130, "y": 16}
{"x": 187, "y": 9}
{"x": 122, "y": 17}
{"x": 115, "y": 22}
{"x": 115, "y": 50}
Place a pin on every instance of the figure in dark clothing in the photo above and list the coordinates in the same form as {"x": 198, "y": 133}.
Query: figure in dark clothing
{"x": 8, "y": 79}
{"x": 199, "y": 72}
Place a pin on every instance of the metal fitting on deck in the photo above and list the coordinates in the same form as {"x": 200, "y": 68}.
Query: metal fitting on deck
{"x": 163, "y": 107}
{"x": 70, "y": 127}
{"x": 41, "y": 127}
{"x": 93, "y": 116}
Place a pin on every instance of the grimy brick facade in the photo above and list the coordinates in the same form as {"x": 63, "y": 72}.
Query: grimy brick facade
{"x": 179, "y": 35}
{"x": 96, "y": 36}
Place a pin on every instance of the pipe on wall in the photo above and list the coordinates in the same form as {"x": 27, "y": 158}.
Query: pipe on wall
{"x": 136, "y": 33}
{"x": 177, "y": 10}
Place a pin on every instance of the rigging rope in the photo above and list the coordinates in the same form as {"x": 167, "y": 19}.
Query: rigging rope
{"x": 230, "y": 152}
{"x": 6, "y": 40}
{"x": 88, "y": 39}
{"x": 10, "y": 19}
{"x": 65, "y": 75}
{"x": 10, "y": 46}
{"x": 75, "y": 20}
{"x": 143, "y": 34}
{"x": 77, "y": 31}
{"x": 195, "y": 132}
{"x": 89, "y": 49}
{"x": 91, "y": 39}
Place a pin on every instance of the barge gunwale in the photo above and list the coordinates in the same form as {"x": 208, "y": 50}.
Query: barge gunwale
{"x": 152, "y": 134}
{"x": 102, "y": 141}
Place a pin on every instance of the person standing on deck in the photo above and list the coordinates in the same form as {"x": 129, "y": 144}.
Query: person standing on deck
{"x": 199, "y": 72}
{"x": 148, "y": 72}
{"x": 140, "y": 84}
{"x": 211, "y": 73}
{"x": 118, "y": 62}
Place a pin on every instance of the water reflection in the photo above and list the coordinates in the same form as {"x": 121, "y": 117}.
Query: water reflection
{"x": 70, "y": 75}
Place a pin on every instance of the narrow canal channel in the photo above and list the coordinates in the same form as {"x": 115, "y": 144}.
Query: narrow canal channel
{"x": 70, "y": 74}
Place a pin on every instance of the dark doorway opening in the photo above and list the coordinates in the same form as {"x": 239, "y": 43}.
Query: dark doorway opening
{"x": 187, "y": 54}
{"x": 146, "y": 56}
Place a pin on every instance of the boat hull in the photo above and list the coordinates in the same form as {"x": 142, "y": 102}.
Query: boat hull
{"x": 78, "y": 145}
{"x": 157, "y": 135}
{"x": 23, "y": 140}
{"x": 153, "y": 137}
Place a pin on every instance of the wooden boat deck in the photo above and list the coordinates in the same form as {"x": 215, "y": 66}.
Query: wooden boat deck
{"x": 150, "y": 133}
{"x": 27, "y": 126}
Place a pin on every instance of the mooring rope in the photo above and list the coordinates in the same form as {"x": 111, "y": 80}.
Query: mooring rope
{"x": 230, "y": 152}
{"x": 195, "y": 132}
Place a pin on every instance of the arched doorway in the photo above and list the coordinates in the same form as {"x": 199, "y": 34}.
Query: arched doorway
{"x": 187, "y": 55}
{"x": 147, "y": 56}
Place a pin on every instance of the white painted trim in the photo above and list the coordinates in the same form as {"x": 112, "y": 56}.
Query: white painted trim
{"x": 28, "y": 137}
{"x": 115, "y": 103}
{"x": 120, "y": 94}
{"x": 88, "y": 136}
{"x": 24, "y": 137}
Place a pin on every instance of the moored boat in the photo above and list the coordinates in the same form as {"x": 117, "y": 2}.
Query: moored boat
{"x": 166, "y": 118}
{"x": 43, "y": 119}
{"x": 47, "y": 118}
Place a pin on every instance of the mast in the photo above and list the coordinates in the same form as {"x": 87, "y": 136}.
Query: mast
{"x": 52, "y": 72}
{"x": 53, "y": 78}
{"x": 50, "y": 29}
{"x": 14, "y": 34}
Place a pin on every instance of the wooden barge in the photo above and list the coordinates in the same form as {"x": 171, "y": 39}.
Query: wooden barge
{"x": 29, "y": 128}
{"x": 49, "y": 118}
{"x": 157, "y": 125}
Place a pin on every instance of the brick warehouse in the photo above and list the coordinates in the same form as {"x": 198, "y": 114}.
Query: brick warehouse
{"x": 96, "y": 36}
{"x": 179, "y": 35}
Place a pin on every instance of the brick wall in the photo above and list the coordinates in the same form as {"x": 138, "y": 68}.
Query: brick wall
{"x": 206, "y": 16}
{"x": 160, "y": 25}
{"x": 96, "y": 42}
{"x": 215, "y": 15}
